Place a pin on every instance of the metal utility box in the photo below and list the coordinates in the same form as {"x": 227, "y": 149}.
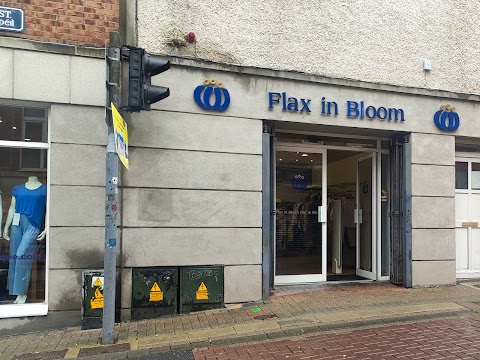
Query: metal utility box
{"x": 201, "y": 288}
{"x": 92, "y": 299}
{"x": 154, "y": 292}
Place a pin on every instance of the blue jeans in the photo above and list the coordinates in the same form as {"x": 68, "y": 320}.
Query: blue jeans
{"x": 22, "y": 249}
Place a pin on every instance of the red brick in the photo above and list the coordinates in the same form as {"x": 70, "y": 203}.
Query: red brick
{"x": 56, "y": 17}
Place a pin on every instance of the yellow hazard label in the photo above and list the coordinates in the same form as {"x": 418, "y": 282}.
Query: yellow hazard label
{"x": 156, "y": 293}
{"x": 98, "y": 282}
{"x": 202, "y": 292}
{"x": 97, "y": 301}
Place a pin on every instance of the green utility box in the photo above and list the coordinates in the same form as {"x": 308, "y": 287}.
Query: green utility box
{"x": 154, "y": 292}
{"x": 201, "y": 288}
{"x": 92, "y": 299}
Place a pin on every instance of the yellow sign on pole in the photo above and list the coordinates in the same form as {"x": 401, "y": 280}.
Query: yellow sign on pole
{"x": 121, "y": 136}
{"x": 156, "y": 293}
{"x": 97, "y": 301}
{"x": 202, "y": 292}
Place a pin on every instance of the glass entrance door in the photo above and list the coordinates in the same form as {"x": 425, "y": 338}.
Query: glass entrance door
{"x": 300, "y": 215}
{"x": 365, "y": 217}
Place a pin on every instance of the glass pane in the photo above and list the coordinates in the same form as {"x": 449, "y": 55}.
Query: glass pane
{"x": 36, "y": 113}
{"x": 298, "y": 197}
{"x": 365, "y": 209}
{"x": 22, "y": 258}
{"x": 385, "y": 208}
{"x": 461, "y": 175}
{"x": 325, "y": 140}
{"x": 32, "y": 159}
{"x": 475, "y": 176}
{"x": 33, "y": 131}
{"x": 13, "y": 124}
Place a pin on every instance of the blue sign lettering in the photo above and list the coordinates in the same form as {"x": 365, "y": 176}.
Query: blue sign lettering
{"x": 12, "y": 19}
{"x": 354, "y": 109}
{"x": 288, "y": 103}
{"x": 357, "y": 109}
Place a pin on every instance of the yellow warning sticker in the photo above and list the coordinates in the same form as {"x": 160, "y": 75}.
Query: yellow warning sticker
{"x": 98, "y": 282}
{"x": 202, "y": 292}
{"x": 97, "y": 301}
{"x": 156, "y": 293}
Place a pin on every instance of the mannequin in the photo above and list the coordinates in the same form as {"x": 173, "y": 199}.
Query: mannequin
{"x": 25, "y": 215}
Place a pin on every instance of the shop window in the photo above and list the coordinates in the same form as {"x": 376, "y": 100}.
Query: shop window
{"x": 461, "y": 175}
{"x": 475, "y": 176}
{"x": 23, "y": 195}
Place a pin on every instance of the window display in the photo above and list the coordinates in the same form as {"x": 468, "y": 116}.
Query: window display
{"x": 23, "y": 195}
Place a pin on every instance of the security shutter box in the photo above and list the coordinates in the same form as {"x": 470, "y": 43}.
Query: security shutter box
{"x": 92, "y": 299}
{"x": 201, "y": 288}
{"x": 154, "y": 292}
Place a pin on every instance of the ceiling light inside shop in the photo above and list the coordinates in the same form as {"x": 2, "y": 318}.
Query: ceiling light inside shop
{"x": 304, "y": 155}
{"x": 280, "y": 159}
{"x": 14, "y": 128}
{"x": 296, "y": 160}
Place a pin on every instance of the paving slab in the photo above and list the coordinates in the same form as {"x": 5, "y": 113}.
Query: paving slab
{"x": 288, "y": 313}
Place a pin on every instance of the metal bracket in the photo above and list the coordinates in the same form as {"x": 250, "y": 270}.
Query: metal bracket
{"x": 113, "y": 54}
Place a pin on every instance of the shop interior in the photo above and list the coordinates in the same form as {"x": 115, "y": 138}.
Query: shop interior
{"x": 19, "y": 165}
{"x": 298, "y": 231}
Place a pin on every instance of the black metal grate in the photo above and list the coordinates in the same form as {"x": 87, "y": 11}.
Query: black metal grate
{"x": 397, "y": 171}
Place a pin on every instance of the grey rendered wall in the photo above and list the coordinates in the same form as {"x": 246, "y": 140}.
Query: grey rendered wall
{"x": 370, "y": 40}
{"x": 192, "y": 196}
{"x": 433, "y": 209}
{"x": 74, "y": 88}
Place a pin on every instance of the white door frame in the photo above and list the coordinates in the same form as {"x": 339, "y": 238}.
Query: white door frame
{"x": 372, "y": 275}
{"x": 306, "y": 278}
{"x": 470, "y": 272}
{"x": 376, "y": 216}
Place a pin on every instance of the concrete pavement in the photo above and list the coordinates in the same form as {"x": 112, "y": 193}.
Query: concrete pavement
{"x": 292, "y": 311}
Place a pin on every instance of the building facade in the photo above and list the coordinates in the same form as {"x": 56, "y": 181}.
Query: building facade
{"x": 300, "y": 143}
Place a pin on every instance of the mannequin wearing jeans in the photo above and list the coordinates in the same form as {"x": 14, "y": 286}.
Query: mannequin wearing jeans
{"x": 25, "y": 215}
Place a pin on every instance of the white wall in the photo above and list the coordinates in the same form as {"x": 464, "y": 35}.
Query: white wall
{"x": 381, "y": 41}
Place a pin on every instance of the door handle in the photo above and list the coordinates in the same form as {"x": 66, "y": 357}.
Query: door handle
{"x": 322, "y": 214}
{"x": 358, "y": 216}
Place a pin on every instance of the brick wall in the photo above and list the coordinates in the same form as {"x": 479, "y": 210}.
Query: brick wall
{"x": 77, "y": 22}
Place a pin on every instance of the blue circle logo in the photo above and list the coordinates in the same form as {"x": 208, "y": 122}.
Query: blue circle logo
{"x": 203, "y": 94}
{"x": 446, "y": 118}
{"x": 299, "y": 183}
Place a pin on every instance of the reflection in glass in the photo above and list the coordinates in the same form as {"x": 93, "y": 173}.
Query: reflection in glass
{"x": 385, "y": 208}
{"x": 365, "y": 192}
{"x": 475, "y": 176}
{"x": 23, "y": 179}
{"x": 22, "y": 124}
{"x": 298, "y": 197}
{"x": 461, "y": 175}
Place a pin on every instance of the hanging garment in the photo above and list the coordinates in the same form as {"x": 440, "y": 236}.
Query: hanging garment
{"x": 22, "y": 251}
{"x": 31, "y": 203}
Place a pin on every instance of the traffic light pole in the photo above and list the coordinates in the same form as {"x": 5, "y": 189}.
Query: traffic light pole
{"x": 113, "y": 58}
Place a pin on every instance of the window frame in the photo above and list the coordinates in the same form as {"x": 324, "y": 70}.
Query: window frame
{"x": 32, "y": 309}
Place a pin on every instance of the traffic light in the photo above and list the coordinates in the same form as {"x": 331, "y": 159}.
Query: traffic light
{"x": 142, "y": 66}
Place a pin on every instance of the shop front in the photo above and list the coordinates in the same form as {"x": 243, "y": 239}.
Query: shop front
{"x": 358, "y": 179}
{"x": 281, "y": 178}
{"x": 331, "y": 208}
